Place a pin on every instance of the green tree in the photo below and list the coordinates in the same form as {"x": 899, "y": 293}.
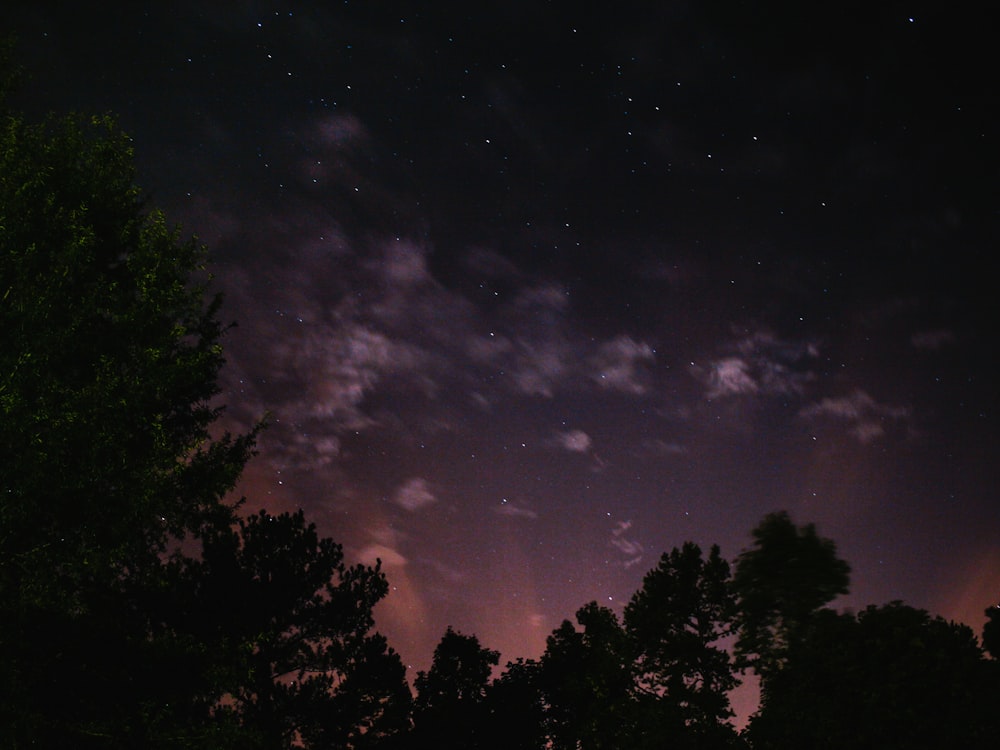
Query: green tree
{"x": 787, "y": 575}
{"x": 677, "y": 622}
{"x": 109, "y": 357}
{"x": 449, "y": 709}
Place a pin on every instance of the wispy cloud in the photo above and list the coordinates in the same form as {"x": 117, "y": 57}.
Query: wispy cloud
{"x": 509, "y": 509}
{"x": 575, "y": 441}
{"x": 932, "y": 340}
{"x": 390, "y": 557}
{"x": 761, "y": 364}
{"x": 730, "y": 377}
{"x": 664, "y": 447}
{"x": 866, "y": 417}
{"x": 414, "y": 495}
{"x": 539, "y": 367}
{"x": 630, "y": 548}
{"x": 620, "y": 365}
{"x": 343, "y": 366}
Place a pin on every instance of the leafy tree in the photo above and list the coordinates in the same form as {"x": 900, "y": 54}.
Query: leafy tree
{"x": 449, "y": 708}
{"x": 787, "y": 575}
{"x": 677, "y": 622}
{"x": 114, "y": 472}
{"x": 109, "y": 357}
{"x": 586, "y": 681}
{"x": 290, "y": 625}
{"x": 892, "y": 677}
{"x": 10, "y": 74}
{"x": 991, "y": 631}
{"x": 515, "y": 712}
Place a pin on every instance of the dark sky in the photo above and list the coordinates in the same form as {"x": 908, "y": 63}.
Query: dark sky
{"x": 537, "y": 291}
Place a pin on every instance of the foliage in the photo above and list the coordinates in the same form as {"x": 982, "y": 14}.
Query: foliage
{"x": 892, "y": 677}
{"x": 515, "y": 709}
{"x": 660, "y": 676}
{"x": 586, "y": 680}
{"x": 677, "y": 621}
{"x": 278, "y": 601}
{"x": 449, "y": 708}
{"x": 788, "y": 574}
{"x": 991, "y": 631}
{"x": 136, "y": 610}
{"x": 109, "y": 355}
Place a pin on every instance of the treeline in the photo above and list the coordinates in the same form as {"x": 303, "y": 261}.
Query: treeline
{"x": 889, "y": 677}
{"x": 140, "y": 607}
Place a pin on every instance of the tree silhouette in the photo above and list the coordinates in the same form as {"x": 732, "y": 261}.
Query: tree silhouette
{"x": 780, "y": 582}
{"x": 515, "y": 709}
{"x": 294, "y": 622}
{"x": 449, "y": 711}
{"x": 991, "y": 631}
{"x": 892, "y": 677}
{"x": 586, "y": 680}
{"x": 677, "y": 621}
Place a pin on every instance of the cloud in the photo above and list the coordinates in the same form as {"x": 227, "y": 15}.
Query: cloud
{"x": 414, "y": 495}
{"x": 404, "y": 264}
{"x": 542, "y": 303}
{"x": 575, "y": 441}
{"x": 763, "y": 364}
{"x": 492, "y": 265}
{"x": 308, "y": 451}
{"x": 507, "y": 508}
{"x": 619, "y": 365}
{"x": 374, "y": 552}
{"x": 446, "y": 572}
{"x": 664, "y": 447}
{"x": 933, "y": 340}
{"x": 337, "y": 131}
{"x": 730, "y": 377}
{"x": 539, "y": 367}
{"x": 632, "y": 549}
{"x": 867, "y": 417}
{"x": 343, "y": 366}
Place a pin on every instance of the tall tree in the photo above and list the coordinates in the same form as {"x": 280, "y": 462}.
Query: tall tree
{"x": 586, "y": 680}
{"x": 677, "y": 622}
{"x": 109, "y": 357}
{"x": 788, "y": 574}
{"x": 449, "y": 708}
{"x": 289, "y": 624}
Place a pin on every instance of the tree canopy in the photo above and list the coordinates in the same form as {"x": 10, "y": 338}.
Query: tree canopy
{"x": 788, "y": 574}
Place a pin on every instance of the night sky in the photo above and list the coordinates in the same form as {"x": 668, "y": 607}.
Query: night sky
{"x": 534, "y": 292}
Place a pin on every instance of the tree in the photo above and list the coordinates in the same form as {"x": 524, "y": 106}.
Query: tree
{"x": 290, "y": 626}
{"x": 109, "y": 357}
{"x": 449, "y": 708}
{"x": 991, "y": 631}
{"x": 677, "y": 622}
{"x": 780, "y": 582}
{"x": 586, "y": 681}
{"x": 515, "y": 709}
{"x": 892, "y": 677}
